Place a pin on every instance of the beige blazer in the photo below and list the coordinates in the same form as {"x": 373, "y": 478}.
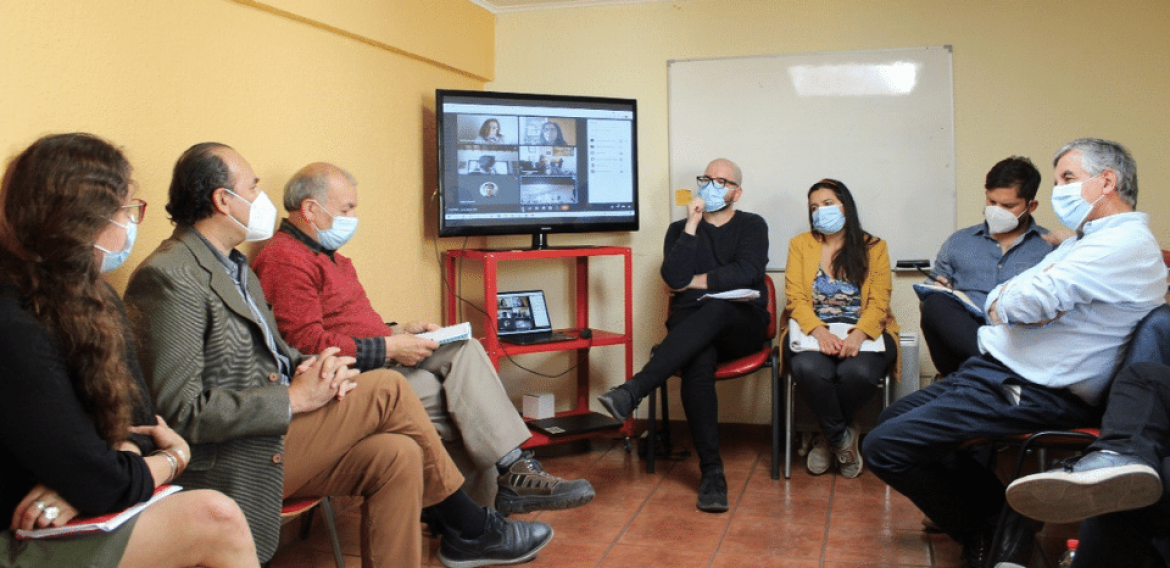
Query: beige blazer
{"x": 212, "y": 377}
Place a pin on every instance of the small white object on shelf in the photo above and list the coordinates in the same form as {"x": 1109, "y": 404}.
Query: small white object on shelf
{"x": 540, "y": 405}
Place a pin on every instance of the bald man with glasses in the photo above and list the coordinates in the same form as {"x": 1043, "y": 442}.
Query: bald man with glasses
{"x": 716, "y": 248}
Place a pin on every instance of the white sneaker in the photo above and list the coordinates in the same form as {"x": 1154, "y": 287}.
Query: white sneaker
{"x": 818, "y": 456}
{"x": 848, "y": 457}
{"x": 1098, "y": 483}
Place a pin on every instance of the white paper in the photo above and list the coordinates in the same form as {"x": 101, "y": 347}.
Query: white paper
{"x": 798, "y": 341}
{"x": 742, "y": 294}
{"x": 457, "y": 332}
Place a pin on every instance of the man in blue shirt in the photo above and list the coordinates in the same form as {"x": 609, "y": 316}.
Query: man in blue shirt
{"x": 980, "y": 257}
{"x": 1054, "y": 341}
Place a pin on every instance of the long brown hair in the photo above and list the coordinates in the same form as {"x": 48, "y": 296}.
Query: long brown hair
{"x": 851, "y": 263}
{"x": 56, "y": 197}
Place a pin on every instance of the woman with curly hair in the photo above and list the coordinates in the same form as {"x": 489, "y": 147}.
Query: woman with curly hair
{"x": 78, "y": 436}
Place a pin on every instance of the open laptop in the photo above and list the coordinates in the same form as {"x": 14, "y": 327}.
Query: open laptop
{"x": 522, "y": 319}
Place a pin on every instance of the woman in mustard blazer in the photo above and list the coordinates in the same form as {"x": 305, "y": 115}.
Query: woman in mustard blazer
{"x": 837, "y": 284}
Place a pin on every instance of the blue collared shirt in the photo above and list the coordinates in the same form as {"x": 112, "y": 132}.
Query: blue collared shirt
{"x": 1095, "y": 289}
{"x": 972, "y": 260}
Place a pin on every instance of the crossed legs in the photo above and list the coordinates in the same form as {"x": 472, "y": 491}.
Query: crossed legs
{"x": 378, "y": 443}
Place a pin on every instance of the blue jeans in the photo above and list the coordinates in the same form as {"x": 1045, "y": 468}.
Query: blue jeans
{"x": 915, "y": 448}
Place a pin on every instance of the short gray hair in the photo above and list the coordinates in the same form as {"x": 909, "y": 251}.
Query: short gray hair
{"x": 1098, "y": 155}
{"x": 310, "y": 183}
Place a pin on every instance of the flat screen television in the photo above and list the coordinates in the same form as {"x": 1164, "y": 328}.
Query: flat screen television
{"x": 528, "y": 164}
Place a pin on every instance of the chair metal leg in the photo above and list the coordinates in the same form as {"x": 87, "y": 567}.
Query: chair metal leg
{"x": 327, "y": 511}
{"x": 775, "y": 365}
{"x": 667, "y": 448}
{"x": 1036, "y": 439}
{"x": 789, "y": 388}
{"x": 652, "y": 432}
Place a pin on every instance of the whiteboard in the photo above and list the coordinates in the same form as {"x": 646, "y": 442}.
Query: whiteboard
{"x": 880, "y": 121}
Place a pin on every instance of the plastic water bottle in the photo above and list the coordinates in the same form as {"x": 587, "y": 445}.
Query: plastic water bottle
{"x": 1067, "y": 559}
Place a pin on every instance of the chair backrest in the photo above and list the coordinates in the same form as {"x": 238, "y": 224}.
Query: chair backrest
{"x": 772, "y": 325}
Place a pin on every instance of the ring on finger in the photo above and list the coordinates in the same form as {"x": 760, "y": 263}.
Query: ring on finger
{"x": 51, "y": 513}
{"x": 40, "y": 505}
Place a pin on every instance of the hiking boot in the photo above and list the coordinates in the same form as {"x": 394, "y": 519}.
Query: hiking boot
{"x": 713, "y": 492}
{"x": 504, "y": 541}
{"x": 819, "y": 456}
{"x": 848, "y": 457}
{"x": 526, "y": 487}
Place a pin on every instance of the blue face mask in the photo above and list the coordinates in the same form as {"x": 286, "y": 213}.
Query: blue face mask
{"x": 714, "y": 198}
{"x": 336, "y": 236}
{"x": 828, "y": 220}
{"x": 1070, "y": 207}
{"x": 112, "y": 260}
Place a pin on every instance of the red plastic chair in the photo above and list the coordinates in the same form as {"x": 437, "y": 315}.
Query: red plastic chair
{"x": 294, "y": 508}
{"x": 767, "y": 356}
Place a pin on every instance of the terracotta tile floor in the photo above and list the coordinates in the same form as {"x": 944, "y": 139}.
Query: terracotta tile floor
{"x": 648, "y": 520}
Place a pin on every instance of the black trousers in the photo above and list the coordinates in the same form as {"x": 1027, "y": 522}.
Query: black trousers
{"x": 1136, "y": 423}
{"x": 835, "y": 388}
{"x": 950, "y": 332}
{"x": 698, "y": 339}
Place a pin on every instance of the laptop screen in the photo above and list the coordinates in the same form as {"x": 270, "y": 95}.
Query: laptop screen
{"x": 521, "y": 312}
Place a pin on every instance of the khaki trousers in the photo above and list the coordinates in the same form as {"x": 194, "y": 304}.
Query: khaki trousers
{"x": 377, "y": 443}
{"x": 468, "y": 405}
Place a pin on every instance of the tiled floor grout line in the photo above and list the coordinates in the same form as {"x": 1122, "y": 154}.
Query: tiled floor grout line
{"x": 645, "y": 500}
{"x": 828, "y": 521}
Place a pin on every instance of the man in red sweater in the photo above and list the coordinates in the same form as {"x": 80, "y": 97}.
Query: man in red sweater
{"x": 319, "y": 302}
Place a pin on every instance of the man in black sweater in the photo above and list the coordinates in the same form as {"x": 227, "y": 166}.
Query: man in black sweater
{"x": 714, "y": 249}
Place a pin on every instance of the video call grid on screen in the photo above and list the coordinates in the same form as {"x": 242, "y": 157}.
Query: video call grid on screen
{"x": 522, "y": 312}
{"x": 533, "y": 162}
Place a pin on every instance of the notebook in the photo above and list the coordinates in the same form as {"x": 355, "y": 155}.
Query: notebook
{"x": 522, "y": 319}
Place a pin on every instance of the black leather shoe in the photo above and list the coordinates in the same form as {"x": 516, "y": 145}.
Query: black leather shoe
{"x": 619, "y": 402}
{"x": 504, "y": 541}
{"x": 1019, "y": 537}
{"x": 713, "y": 492}
{"x": 976, "y": 548}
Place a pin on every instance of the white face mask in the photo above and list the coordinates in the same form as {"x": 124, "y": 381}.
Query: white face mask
{"x": 261, "y": 218}
{"x": 1000, "y": 220}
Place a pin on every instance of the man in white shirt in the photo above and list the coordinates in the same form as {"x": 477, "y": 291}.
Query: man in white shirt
{"x": 1055, "y": 338}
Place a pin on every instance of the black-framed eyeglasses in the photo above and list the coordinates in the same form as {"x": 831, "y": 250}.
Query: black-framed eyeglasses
{"x": 136, "y": 210}
{"x": 720, "y": 183}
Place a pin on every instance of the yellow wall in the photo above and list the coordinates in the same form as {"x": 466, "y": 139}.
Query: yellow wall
{"x": 280, "y": 85}
{"x": 1029, "y": 75}
{"x": 287, "y": 82}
